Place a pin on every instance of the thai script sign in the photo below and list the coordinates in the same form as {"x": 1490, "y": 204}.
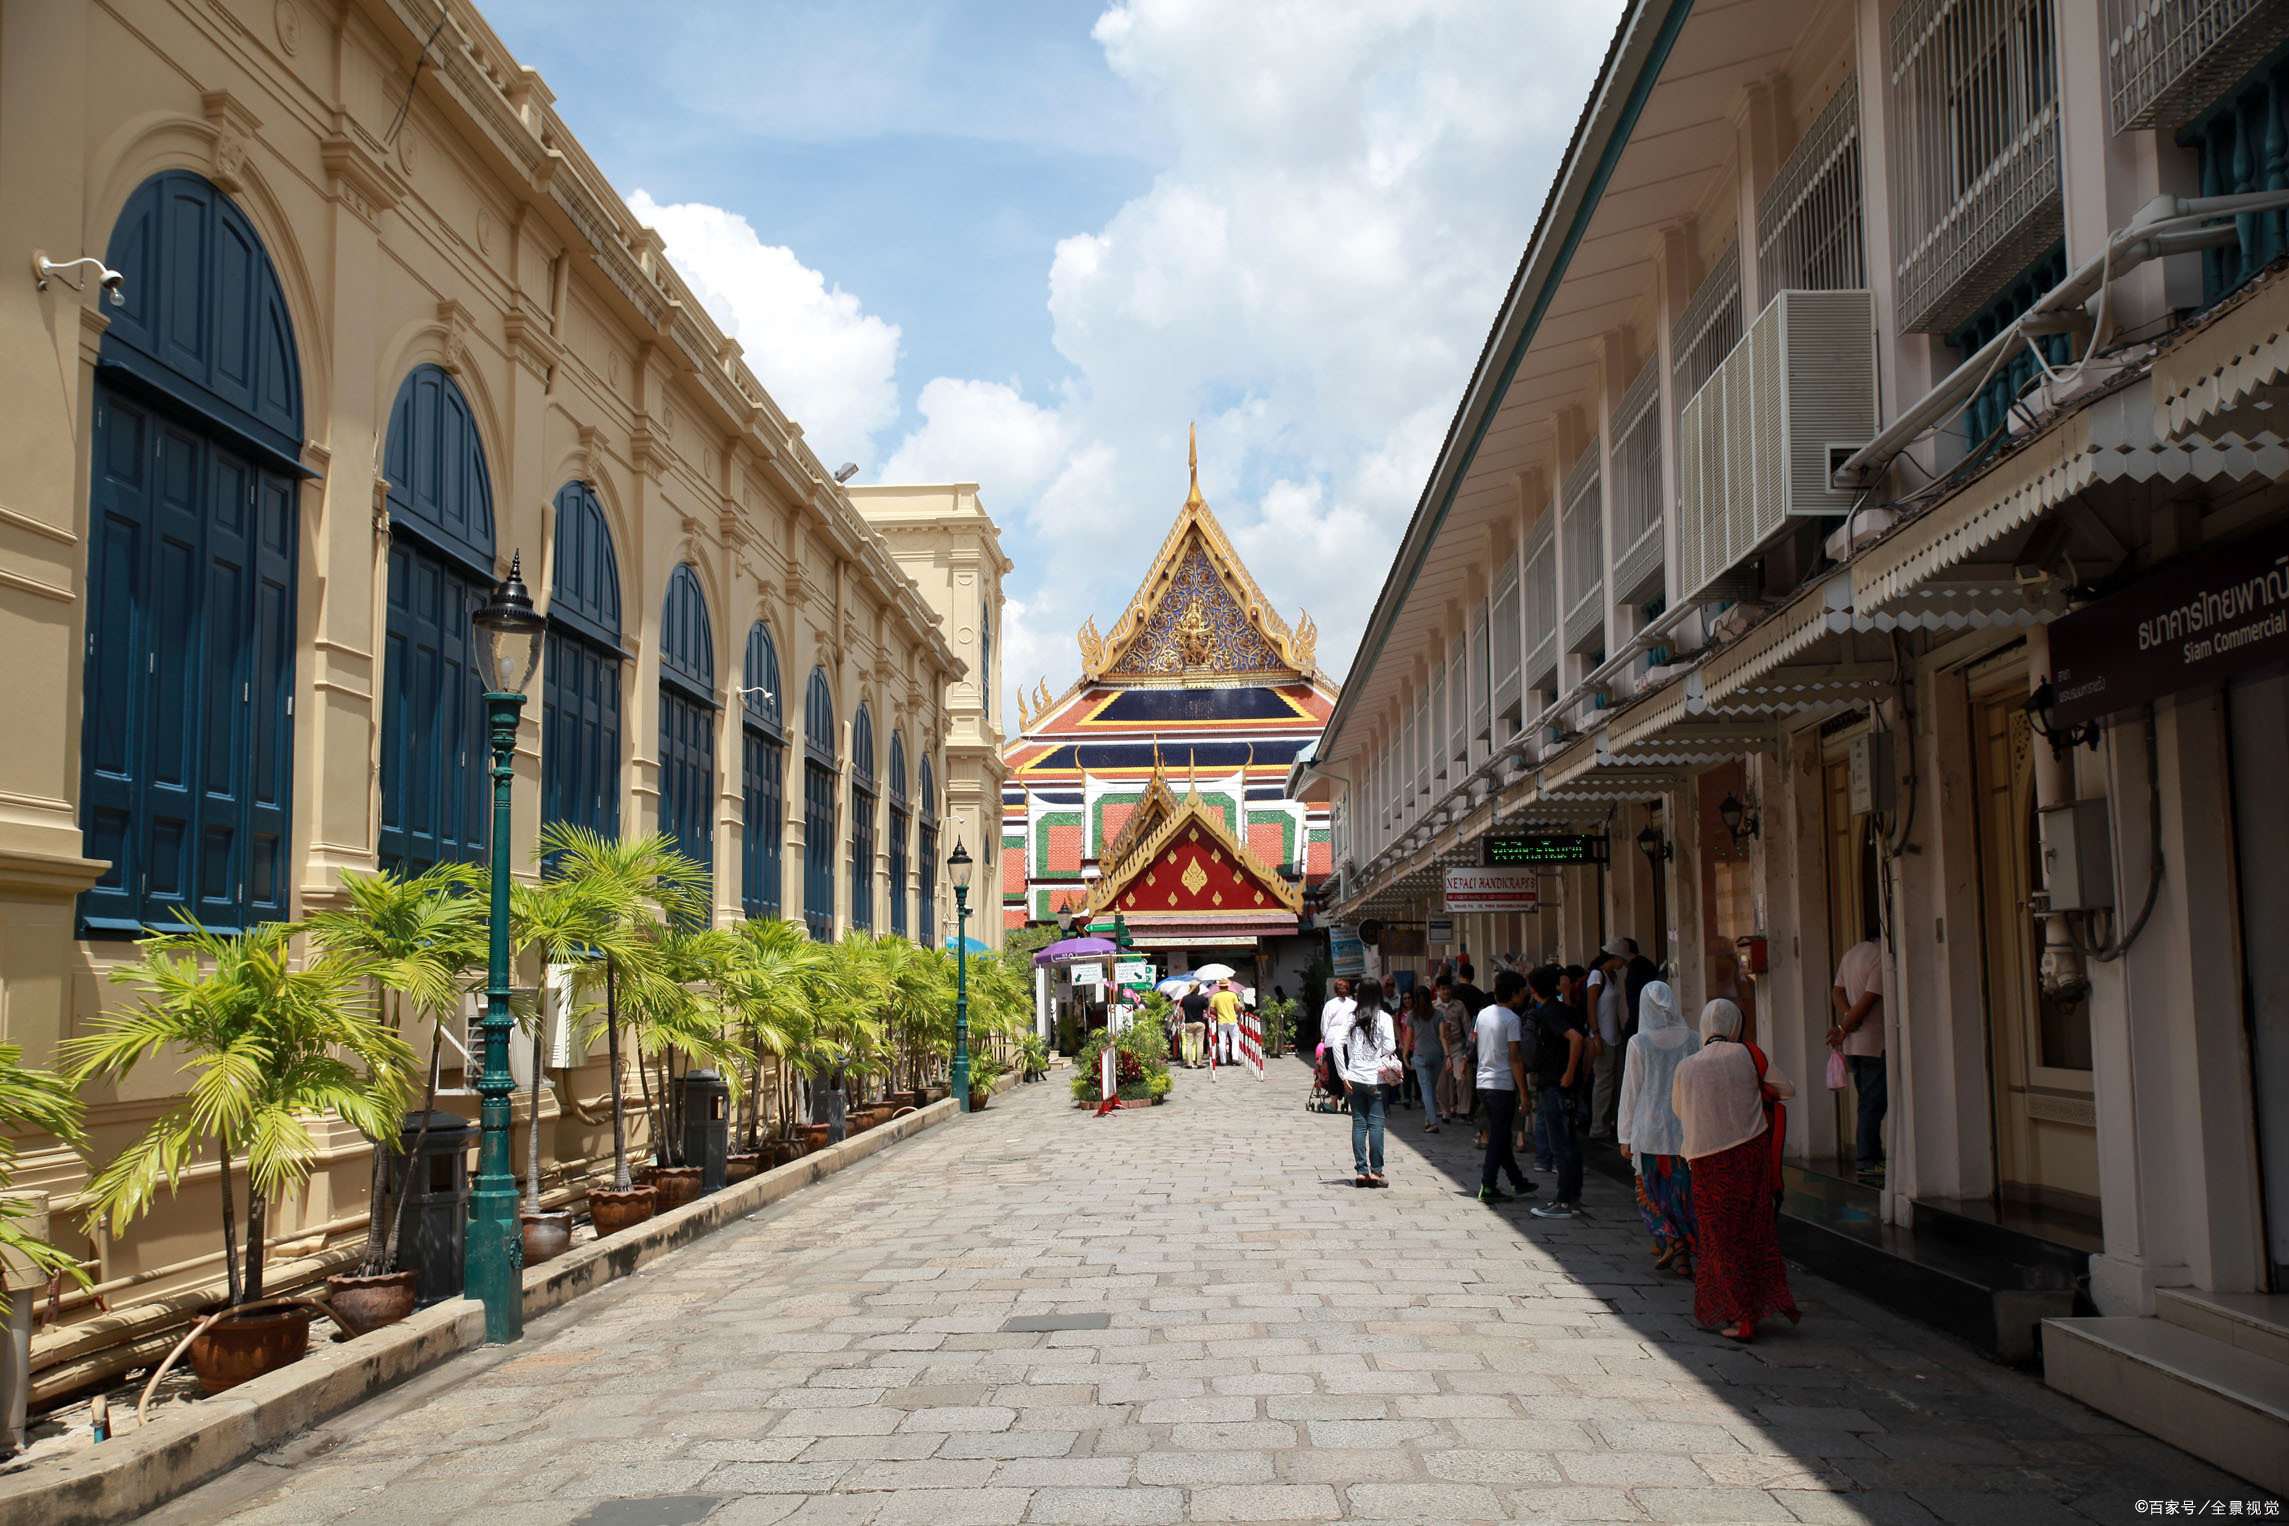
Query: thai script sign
{"x": 2213, "y": 615}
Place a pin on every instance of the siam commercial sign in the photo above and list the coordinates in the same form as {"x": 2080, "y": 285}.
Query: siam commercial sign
{"x": 1493, "y": 890}
{"x": 2210, "y": 617}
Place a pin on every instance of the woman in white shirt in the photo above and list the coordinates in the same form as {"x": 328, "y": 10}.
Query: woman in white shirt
{"x": 1365, "y": 1042}
{"x": 1725, "y": 1098}
{"x": 1646, "y": 1124}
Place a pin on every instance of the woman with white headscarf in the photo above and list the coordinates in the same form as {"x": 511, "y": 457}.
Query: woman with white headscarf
{"x": 1646, "y": 1124}
{"x": 1727, "y": 1097}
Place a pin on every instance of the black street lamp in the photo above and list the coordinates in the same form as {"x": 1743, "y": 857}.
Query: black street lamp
{"x": 508, "y": 632}
{"x": 1654, "y": 846}
{"x": 1737, "y": 819}
{"x": 958, "y": 871}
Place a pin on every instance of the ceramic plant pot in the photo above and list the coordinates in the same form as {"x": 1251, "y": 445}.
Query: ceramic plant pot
{"x": 738, "y": 1168}
{"x": 242, "y": 1346}
{"x": 979, "y": 1099}
{"x": 368, "y": 1303}
{"x": 814, "y": 1134}
{"x": 674, "y": 1185}
{"x": 615, "y": 1211}
{"x": 548, "y": 1234}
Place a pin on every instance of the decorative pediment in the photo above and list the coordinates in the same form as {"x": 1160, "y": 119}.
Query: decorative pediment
{"x": 1191, "y": 865}
{"x": 1198, "y": 615}
{"x": 1158, "y": 805}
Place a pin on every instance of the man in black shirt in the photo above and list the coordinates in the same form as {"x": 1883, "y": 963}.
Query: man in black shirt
{"x": 1559, "y": 1065}
{"x": 1195, "y": 1025}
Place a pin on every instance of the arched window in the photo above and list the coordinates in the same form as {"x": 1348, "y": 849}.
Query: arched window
{"x": 926, "y": 849}
{"x": 862, "y": 802}
{"x": 434, "y": 796}
{"x": 580, "y": 677}
{"x": 186, "y": 747}
{"x": 819, "y": 807}
{"x": 687, "y": 718}
{"x": 898, "y": 827}
{"x": 763, "y": 774}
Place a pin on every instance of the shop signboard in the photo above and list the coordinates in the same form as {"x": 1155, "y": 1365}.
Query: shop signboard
{"x": 1132, "y": 972}
{"x": 1500, "y": 849}
{"x": 1493, "y": 890}
{"x": 1088, "y": 974}
{"x": 1346, "y": 952}
{"x": 2213, "y": 615}
{"x": 1439, "y": 931}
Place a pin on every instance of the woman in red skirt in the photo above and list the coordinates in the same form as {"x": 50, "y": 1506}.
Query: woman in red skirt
{"x": 1727, "y": 1098}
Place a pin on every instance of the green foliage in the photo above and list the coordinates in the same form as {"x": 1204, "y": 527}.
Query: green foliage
{"x": 267, "y": 1043}
{"x": 1142, "y": 1067}
{"x": 33, "y": 1099}
{"x": 1279, "y": 1020}
{"x": 1028, "y": 941}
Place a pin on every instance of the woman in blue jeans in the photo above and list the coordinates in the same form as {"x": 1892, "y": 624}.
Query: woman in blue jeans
{"x": 1429, "y": 1056}
{"x": 1365, "y": 1041}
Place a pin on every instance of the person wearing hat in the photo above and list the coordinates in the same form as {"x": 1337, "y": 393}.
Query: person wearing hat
{"x": 1609, "y": 1011}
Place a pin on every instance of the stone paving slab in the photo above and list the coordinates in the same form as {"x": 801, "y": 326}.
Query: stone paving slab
{"x": 1187, "y": 1313}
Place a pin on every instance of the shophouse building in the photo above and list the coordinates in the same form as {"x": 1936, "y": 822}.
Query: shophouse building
{"x": 381, "y": 327}
{"x": 1867, "y": 516}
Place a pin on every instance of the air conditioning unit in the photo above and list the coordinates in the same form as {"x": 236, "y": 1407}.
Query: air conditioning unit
{"x": 1756, "y": 444}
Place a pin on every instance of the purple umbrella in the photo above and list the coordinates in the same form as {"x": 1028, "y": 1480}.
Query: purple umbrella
{"x": 1075, "y": 949}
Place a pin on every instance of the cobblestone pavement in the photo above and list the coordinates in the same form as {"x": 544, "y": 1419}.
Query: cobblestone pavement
{"x": 1269, "y": 1344}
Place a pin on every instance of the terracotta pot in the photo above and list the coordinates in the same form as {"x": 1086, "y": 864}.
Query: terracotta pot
{"x": 368, "y": 1303}
{"x": 242, "y": 1346}
{"x": 548, "y": 1234}
{"x": 615, "y": 1211}
{"x": 979, "y": 1099}
{"x": 738, "y": 1168}
{"x": 674, "y": 1185}
{"x": 814, "y": 1134}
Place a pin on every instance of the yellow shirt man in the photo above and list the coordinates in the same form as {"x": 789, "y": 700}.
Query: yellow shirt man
{"x": 1224, "y": 1006}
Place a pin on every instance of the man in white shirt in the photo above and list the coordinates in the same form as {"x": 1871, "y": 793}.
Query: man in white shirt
{"x": 1610, "y": 1007}
{"x": 1858, "y": 996}
{"x": 1501, "y": 1082}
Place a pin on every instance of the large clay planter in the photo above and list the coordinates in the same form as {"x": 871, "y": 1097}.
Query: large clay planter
{"x": 615, "y": 1211}
{"x": 368, "y": 1303}
{"x": 815, "y": 1135}
{"x": 548, "y": 1234}
{"x": 738, "y": 1168}
{"x": 675, "y": 1185}
{"x": 979, "y": 1098}
{"x": 242, "y": 1346}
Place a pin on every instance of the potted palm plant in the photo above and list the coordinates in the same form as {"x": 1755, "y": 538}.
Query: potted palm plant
{"x": 764, "y": 987}
{"x": 31, "y": 1101}
{"x": 567, "y": 922}
{"x": 639, "y": 884}
{"x": 673, "y": 1017}
{"x": 419, "y": 934}
{"x": 269, "y": 1042}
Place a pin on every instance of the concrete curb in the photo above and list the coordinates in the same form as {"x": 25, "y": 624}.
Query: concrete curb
{"x": 135, "y": 1473}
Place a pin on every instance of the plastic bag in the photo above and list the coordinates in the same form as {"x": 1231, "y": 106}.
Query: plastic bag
{"x": 1839, "y": 1074}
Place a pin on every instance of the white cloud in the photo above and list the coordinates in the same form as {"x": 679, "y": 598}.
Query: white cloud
{"x": 831, "y": 365}
{"x": 1311, "y": 279}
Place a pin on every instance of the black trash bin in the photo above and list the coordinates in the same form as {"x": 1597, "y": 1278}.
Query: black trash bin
{"x": 437, "y": 1213}
{"x": 706, "y": 1104}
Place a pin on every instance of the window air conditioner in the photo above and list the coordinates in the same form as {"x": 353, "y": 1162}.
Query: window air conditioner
{"x": 1755, "y": 444}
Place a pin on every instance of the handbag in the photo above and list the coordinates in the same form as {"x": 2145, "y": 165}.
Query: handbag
{"x": 1839, "y": 1074}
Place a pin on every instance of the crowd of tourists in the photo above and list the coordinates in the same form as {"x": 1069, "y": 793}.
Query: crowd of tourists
{"x": 1556, "y": 1056}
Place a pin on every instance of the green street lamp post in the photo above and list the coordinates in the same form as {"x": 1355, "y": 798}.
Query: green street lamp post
{"x": 958, "y": 871}
{"x": 508, "y": 632}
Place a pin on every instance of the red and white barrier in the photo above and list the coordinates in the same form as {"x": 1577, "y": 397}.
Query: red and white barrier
{"x": 1252, "y": 1043}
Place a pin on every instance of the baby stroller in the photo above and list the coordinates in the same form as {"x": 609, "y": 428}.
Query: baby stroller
{"x": 1328, "y": 1094}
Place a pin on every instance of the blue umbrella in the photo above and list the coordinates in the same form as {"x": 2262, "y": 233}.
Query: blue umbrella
{"x": 967, "y": 943}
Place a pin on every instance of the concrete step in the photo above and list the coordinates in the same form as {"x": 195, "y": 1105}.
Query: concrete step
{"x": 2256, "y": 1322}
{"x": 2224, "y": 1404}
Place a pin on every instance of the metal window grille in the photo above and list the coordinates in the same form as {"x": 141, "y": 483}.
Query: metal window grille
{"x": 1975, "y": 170}
{"x": 1505, "y": 639}
{"x": 1808, "y": 219}
{"x": 1482, "y": 691}
{"x": 1710, "y": 326}
{"x": 1581, "y": 526}
{"x": 1637, "y": 486}
{"x": 2168, "y": 61}
{"x": 1458, "y": 709}
{"x": 1435, "y": 731}
{"x": 1541, "y": 609}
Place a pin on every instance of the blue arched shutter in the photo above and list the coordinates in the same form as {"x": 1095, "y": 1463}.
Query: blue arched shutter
{"x": 580, "y": 675}
{"x": 186, "y": 742}
{"x": 435, "y": 804}
{"x": 898, "y": 828}
{"x": 763, "y": 772}
{"x": 687, "y": 719}
{"x": 926, "y": 849}
{"x": 862, "y": 802}
{"x": 819, "y": 807}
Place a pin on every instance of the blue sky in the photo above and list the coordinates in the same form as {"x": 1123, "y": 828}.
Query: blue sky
{"x": 1025, "y": 243}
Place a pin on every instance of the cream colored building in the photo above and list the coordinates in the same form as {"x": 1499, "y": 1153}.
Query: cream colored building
{"x": 384, "y": 325}
{"x": 1781, "y": 530}
{"x": 944, "y": 541}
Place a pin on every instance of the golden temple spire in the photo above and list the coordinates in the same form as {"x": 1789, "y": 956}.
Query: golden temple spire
{"x": 1193, "y": 500}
